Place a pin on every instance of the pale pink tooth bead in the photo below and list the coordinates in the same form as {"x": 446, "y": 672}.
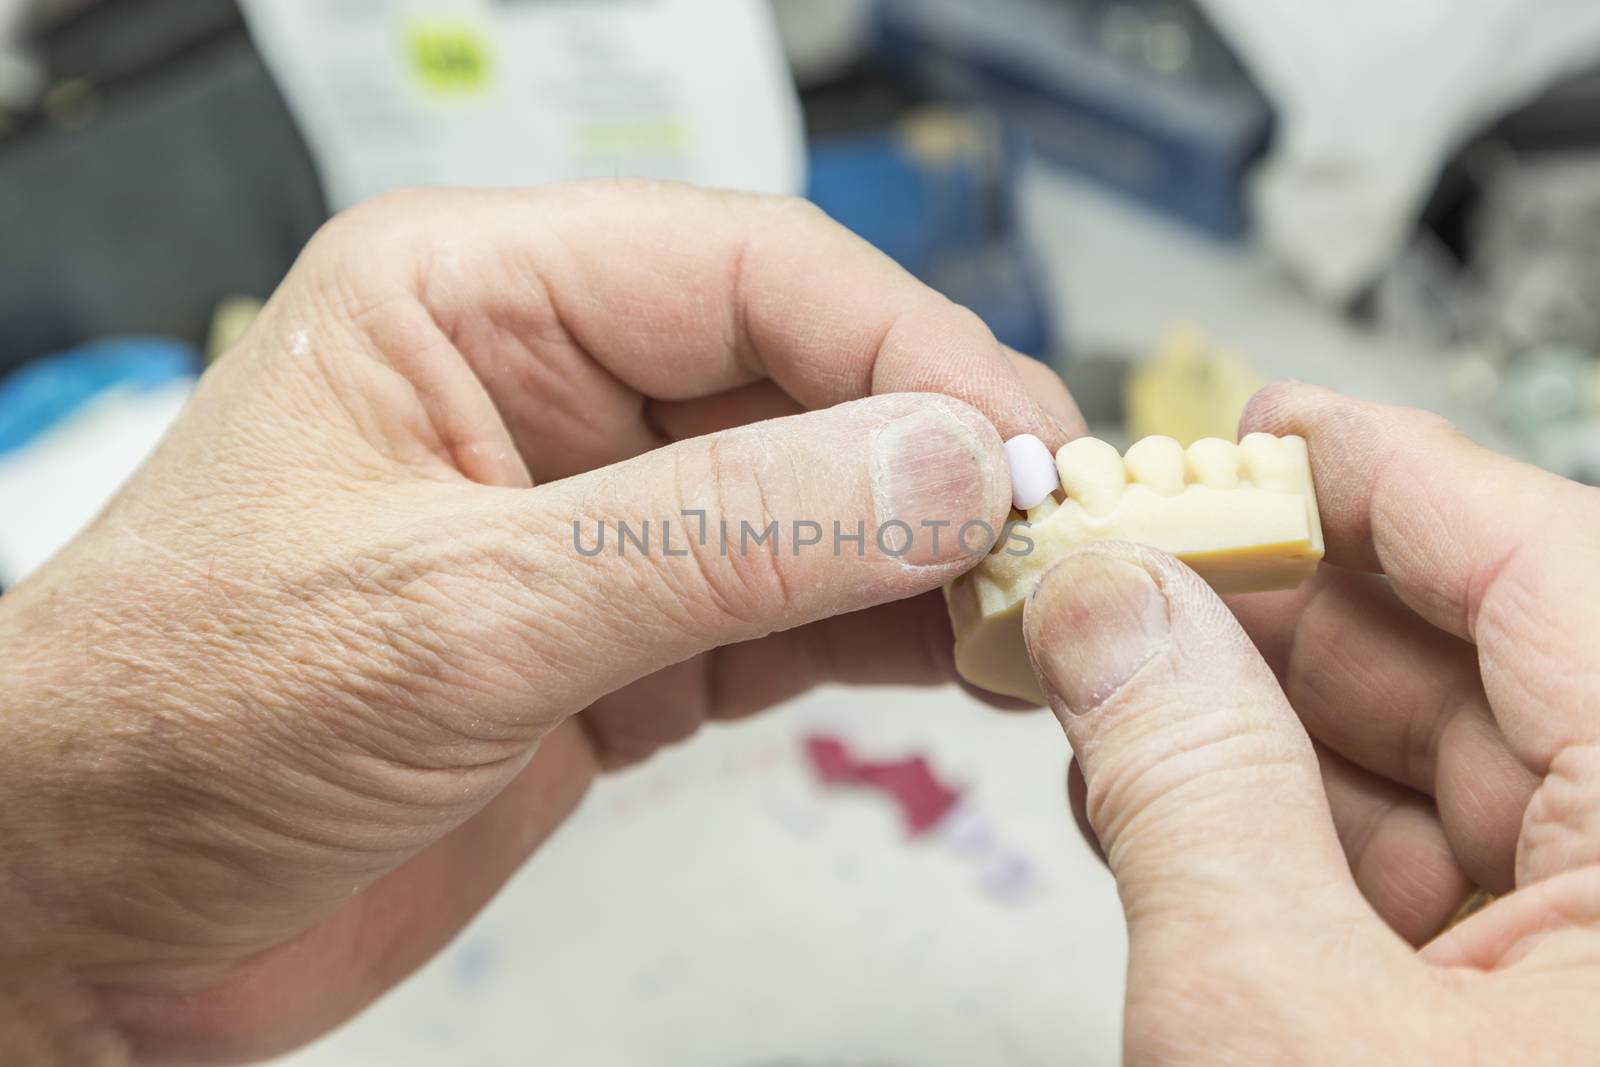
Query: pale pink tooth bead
{"x": 1033, "y": 471}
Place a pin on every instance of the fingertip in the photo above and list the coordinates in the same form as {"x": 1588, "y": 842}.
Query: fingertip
{"x": 990, "y": 449}
{"x": 1098, "y": 617}
{"x": 1281, "y": 407}
{"x": 1057, "y": 597}
{"x": 938, "y": 464}
{"x": 1332, "y": 418}
{"x": 1196, "y": 772}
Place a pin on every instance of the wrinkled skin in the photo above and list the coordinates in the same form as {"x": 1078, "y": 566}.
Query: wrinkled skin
{"x": 1293, "y": 800}
{"x": 329, "y": 669}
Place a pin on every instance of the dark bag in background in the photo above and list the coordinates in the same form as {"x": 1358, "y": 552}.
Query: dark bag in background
{"x": 159, "y": 174}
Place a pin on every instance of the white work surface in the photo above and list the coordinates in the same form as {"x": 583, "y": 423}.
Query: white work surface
{"x": 719, "y": 907}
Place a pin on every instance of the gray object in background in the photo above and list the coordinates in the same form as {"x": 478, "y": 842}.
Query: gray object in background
{"x": 141, "y": 196}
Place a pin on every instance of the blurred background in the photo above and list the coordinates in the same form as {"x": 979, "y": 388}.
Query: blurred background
{"x": 1170, "y": 201}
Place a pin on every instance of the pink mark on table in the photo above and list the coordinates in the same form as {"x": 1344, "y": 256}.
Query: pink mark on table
{"x": 923, "y": 799}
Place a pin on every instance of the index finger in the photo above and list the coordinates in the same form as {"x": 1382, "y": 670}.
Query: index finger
{"x": 681, "y": 293}
{"x": 1453, "y": 525}
{"x": 1489, "y": 549}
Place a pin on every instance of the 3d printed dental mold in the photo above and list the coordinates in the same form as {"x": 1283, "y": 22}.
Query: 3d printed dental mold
{"x": 1244, "y": 516}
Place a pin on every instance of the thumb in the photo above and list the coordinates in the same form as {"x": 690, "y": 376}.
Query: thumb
{"x": 735, "y": 535}
{"x": 1201, "y": 784}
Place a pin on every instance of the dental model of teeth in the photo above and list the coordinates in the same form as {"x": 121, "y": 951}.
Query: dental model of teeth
{"x": 1244, "y": 516}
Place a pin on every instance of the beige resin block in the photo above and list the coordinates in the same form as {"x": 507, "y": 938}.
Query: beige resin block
{"x": 1244, "y": 516}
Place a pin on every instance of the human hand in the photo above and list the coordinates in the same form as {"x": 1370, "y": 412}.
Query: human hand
{"x": 1277, "y": 870}
{"x": 332, "y": 666}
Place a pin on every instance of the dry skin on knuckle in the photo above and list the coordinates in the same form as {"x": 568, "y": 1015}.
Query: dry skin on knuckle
{"x": 349, "y": 649}
{"x": 1516, "y": 597}
{"x": 379, "y": 646}
{"x": 388, "y": 220}
{"x": 926, "y": 321}
{"x": 366, "y": 260}
{"x": 358, "y": 657}
{"x": 744, "y": 472}
{"x": 1141, "y": 758}
{"x": 1563, "y": 818}
{"x": 1160, "y": 763}
{"x": 522, "y": 611}
{"x": 1266, "y": 407}
{"x": 1437, "y": 433}
{"x": 960, "y": 320}
{"x": 332, "y": 705}
{"x": 788, "y": 217}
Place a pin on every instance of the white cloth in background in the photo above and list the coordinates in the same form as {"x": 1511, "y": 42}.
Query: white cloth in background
{"x": 13, "y": 13}
{"x": 20, "y": 77}
{"x": 823, "y": 37}
{"x": 1373, "y": 97}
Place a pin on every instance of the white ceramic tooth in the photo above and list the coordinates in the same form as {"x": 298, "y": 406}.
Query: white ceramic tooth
{"x": 1157, "y": 464}
{"x": 1033, "y": 471}
{"x": 1093, "y": 474}
{"x": 1214, "y": 463}
{"x": 1270, "y": 463}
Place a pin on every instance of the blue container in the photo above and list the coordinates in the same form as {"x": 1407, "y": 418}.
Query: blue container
{"x": 40, "y": 394}
{"x": 1184, "y": 145}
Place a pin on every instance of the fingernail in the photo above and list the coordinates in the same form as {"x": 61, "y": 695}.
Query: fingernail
{"x": 1033, "y": 471}
{"x": 931, "y": 477}
{"x": 1092, "y": 625}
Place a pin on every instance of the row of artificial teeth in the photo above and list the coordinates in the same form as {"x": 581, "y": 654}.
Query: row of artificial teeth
{"x": 1095, "y": 475}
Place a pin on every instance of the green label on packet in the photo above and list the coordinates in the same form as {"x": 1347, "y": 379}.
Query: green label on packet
{"x": 449, "y": 58}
